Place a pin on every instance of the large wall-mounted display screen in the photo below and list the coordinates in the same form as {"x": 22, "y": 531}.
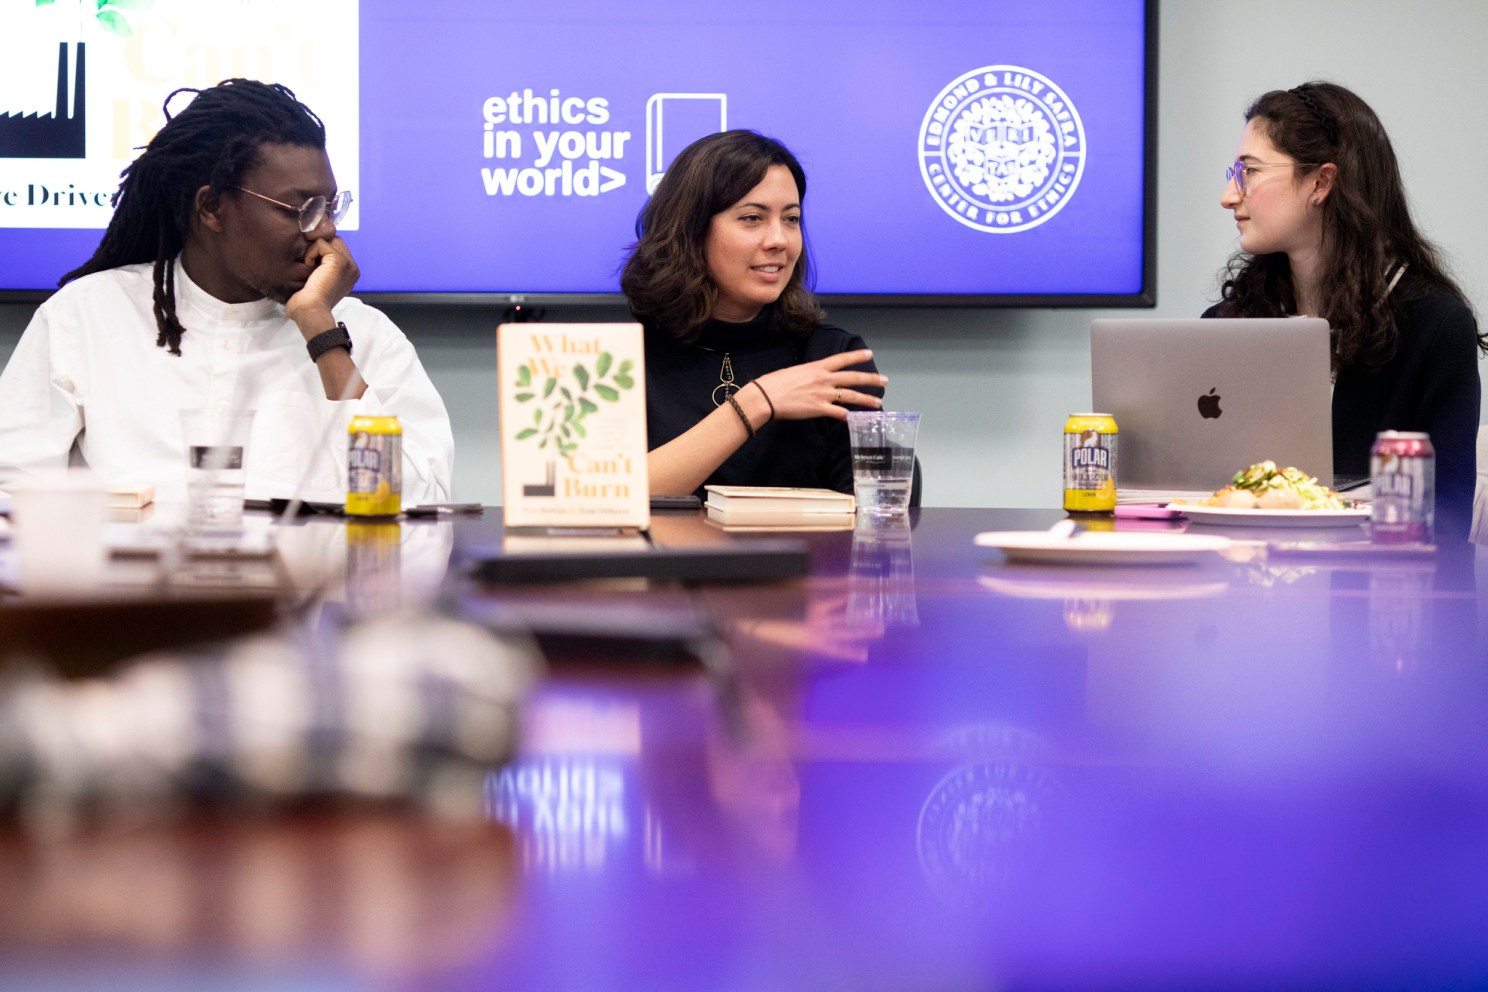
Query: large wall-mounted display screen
{"x": 992, "y": 152}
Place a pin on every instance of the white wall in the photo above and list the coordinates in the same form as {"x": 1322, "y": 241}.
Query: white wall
{"x": 995, "y": 385}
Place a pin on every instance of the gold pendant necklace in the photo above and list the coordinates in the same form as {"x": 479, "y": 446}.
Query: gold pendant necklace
{"x": 725, "y": 382}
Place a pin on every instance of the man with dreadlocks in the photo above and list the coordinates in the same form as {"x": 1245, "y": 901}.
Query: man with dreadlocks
{"x": 220, "y": 284}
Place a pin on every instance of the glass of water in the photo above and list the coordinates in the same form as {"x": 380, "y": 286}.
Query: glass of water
{"x": 883, "y": 446}
{"x": 215, "y": 443}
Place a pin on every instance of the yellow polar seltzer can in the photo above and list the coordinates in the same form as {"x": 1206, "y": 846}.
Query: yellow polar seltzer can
{"x": 1090, "y": 463}
{"x": 374, "y": 467}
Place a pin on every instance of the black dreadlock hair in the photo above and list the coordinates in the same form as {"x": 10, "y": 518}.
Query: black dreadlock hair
{"x": 213, "y": 142}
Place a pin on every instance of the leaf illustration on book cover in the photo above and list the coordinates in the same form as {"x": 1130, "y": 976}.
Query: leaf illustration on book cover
{"x": 111, "y": 14}
{"x": 561, "y": 405}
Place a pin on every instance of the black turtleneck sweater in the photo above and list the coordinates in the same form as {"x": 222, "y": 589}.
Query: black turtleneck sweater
{"x": 680, "y": 379}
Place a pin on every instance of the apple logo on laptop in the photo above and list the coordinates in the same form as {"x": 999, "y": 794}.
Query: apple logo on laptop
{"x": 1209, "y": 406}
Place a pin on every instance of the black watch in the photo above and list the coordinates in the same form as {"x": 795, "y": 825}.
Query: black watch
{"x": 323, "y": 342}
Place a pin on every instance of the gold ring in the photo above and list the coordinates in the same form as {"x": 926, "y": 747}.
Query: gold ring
{"x": 836, "y": 396}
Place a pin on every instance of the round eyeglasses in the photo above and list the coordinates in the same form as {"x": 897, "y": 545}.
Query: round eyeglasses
{"x": 1239, "y": 172}
{"x": 313, "y": 210}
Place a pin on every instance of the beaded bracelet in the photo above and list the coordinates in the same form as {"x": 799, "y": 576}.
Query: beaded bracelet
{"x": 740, "y": 411}
{"x": 756, "y": 385}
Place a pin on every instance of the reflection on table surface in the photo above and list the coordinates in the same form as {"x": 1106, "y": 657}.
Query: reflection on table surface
{"x": 255, "y": 902}
{"x": 921, "y": 767}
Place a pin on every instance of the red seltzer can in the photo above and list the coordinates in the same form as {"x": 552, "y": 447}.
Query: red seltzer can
{"x": 1402, "y": 469}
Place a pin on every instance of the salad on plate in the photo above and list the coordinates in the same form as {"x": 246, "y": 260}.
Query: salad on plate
{"x": 1263, "y": 486}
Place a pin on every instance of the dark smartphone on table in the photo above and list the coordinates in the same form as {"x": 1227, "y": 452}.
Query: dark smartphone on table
{"x": 688, "y": 502}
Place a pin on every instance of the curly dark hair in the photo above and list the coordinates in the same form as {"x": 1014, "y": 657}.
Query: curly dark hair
{"x": 1367, "y": 228}
{"x": 665, "y": 278}
{"x": 212, "y": 142}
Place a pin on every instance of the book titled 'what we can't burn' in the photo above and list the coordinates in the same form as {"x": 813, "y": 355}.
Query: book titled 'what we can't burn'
{"x": 573, "y": 425}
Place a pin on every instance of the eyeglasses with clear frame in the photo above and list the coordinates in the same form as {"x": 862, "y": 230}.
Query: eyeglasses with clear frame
{"x": 1240, "y": 171}
{"x": 313, "y": 210}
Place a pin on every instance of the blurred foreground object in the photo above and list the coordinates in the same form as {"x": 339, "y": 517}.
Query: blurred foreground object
{"x": 411, "y": 706}
{"x": 373, "y": 898}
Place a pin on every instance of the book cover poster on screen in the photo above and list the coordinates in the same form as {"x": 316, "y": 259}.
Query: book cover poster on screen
{"x": 951, "y": 149}
{"x": 82, "y": 87}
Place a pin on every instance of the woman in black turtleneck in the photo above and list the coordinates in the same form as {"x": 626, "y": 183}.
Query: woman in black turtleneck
{"x": 744, "y": 383}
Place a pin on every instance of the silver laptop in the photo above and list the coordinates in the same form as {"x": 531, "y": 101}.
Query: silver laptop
{"x": 1195, "y": 401}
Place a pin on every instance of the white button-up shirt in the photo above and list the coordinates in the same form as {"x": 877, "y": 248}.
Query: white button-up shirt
{"x": 87, "y": 384}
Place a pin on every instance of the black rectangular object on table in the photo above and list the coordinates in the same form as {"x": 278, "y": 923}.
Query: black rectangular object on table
{"x": 746, "y": 561}
{"x": 687, "y": 502}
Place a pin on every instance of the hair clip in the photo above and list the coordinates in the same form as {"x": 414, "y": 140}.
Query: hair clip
{"x": 1303, "y": 94}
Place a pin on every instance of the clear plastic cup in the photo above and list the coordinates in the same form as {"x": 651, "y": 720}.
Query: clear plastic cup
{"x": 215, "y": 479}
{"x": 883, "y": 446}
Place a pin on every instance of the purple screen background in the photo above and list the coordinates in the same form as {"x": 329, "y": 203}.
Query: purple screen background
{"x": 844, "y": 85}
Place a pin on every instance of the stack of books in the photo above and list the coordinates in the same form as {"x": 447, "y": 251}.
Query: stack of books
{"x": 779, "y": 508}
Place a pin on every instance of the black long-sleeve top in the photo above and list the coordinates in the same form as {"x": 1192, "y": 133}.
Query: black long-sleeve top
{"x": 680, "y": 384}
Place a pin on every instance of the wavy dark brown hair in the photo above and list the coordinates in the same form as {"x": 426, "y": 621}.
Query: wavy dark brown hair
{"x": 214, "y": 141}
{"x": 1367, "y": 228}
{"x": 665, "y": 278}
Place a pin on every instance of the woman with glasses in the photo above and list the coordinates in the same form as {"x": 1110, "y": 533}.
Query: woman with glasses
{"x": 1325, "y": 231}
{"x": 746, "y": 385}
{"x": 220, "y": 284}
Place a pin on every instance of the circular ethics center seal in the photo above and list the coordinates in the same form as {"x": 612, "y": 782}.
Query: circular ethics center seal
{"x": 1002, "y": 149}
{"x": 980, "y": 830}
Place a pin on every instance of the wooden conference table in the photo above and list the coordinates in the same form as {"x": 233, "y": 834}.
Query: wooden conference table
{"x": 920, "y": 767}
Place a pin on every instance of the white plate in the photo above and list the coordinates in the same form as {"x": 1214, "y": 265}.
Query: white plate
{"x": 1102, "y": 547}
{"x": 1229, "y": 516}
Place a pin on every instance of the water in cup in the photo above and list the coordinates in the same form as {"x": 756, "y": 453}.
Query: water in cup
{"x": 882, "y": 495}
{"x": 215, "y": 486}
{"x": 215, "y": 477}
{"x": 883, "y": 460}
